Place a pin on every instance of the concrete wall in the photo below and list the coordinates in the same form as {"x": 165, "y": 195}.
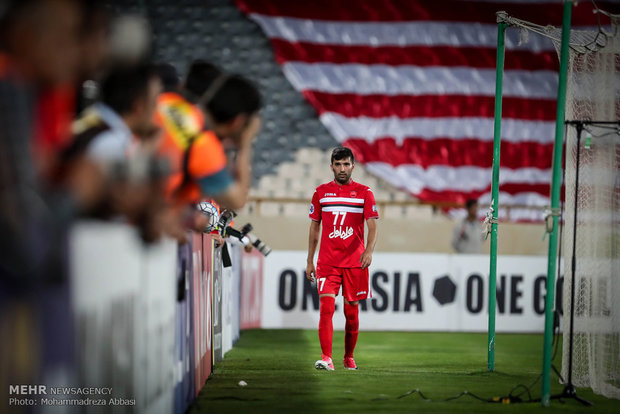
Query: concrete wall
{"x": 430, "y": 235}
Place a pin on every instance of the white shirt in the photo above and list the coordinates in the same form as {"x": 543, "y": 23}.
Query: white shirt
{"x": 467, "y": 237}
{"x": 112, "y": 144}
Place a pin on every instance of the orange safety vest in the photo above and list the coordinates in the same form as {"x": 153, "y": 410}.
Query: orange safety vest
{"x": 192, "y": 152}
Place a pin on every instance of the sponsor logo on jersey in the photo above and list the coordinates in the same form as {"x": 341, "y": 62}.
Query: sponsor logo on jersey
{"x": 311, "y": 208}
{"x": 339, "y": 232}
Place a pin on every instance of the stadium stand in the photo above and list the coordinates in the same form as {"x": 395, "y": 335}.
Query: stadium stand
{"x": 292, "y": 143}
{"x": 297, "y": 179}
{"x": 292, "y": 151}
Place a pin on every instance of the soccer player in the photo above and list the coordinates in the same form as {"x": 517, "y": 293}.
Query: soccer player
{"x": 342, "y": 206}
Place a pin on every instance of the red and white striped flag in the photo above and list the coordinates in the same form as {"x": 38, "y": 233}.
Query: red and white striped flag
{"x": 410, "y": 86}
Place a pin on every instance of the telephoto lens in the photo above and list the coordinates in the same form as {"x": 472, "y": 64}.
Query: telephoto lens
{"x": 259, "y": 244}
{"x": 247, "y": 228}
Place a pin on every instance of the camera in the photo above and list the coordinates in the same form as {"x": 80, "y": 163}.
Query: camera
{"x": 244, "y": 235}
{"x": 226, "y": 217}
{"x": 139, "y": 169}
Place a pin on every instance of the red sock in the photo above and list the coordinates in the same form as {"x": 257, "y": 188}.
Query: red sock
{"x": 326, "y": 328}
{"x": 351, "y": 327}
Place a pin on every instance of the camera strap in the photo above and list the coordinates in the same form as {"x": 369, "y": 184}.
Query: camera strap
{"x": 226, "y": 260}
{"x": 89, "y": 126}
{"x": 214, "y": 88}
{"x": 185, "y": 167}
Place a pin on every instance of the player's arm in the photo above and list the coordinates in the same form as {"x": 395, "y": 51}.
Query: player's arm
{"x": 366, "y": 258}
{"x": 313, "y": 241}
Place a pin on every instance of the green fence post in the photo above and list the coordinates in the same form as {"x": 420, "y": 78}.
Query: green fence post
{"x": 497, "y": 136}
{"x": 556, "y": 182}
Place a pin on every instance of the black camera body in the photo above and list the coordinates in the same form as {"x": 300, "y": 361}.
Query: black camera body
{"x": 223, "y": 225}
{"x": 226, "y": 217}
{"x": 138, "y": 170}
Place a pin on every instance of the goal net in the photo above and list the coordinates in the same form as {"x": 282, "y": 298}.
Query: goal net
{"x": 593, "y": 95}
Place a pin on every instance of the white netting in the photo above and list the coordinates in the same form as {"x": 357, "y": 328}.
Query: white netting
{"x": 593, "y": 94}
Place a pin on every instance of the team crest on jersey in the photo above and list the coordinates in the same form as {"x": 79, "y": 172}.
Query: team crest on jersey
{"x": 311, "y": 208}
{"x": 353, "y": 193}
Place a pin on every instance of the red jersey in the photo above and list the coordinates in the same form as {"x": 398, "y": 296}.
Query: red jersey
{"x": 343, "y": 209}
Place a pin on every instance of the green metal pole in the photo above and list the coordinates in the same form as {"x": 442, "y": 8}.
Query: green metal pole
{"x": 556, "y": 182}
{"x": 497, "y": 136}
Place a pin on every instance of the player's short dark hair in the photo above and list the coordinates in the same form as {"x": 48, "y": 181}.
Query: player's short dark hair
{"x": 470, "y": 202}
{"x": 123, "y": 86}
{"x": 341, "y": 153}
{"x": 232, "y": 96}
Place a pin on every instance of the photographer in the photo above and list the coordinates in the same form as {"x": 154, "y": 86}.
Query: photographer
{"x": 212, "y": 110}
{"x": 116, "y": 133}
{"x": 38, "y": 50}
{"x": 106, "y": 130}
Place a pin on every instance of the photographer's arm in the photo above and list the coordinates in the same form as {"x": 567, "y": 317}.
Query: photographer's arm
{"x": 236, "y": 195}
{"x": 313, "y": 241}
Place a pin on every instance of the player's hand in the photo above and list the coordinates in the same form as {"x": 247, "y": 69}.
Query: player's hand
{"x": 366, "y": 259}
{"x": 310, "y": 272}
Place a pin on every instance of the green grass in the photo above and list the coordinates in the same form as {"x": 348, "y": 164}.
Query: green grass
{"x": 278, "y": 366}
